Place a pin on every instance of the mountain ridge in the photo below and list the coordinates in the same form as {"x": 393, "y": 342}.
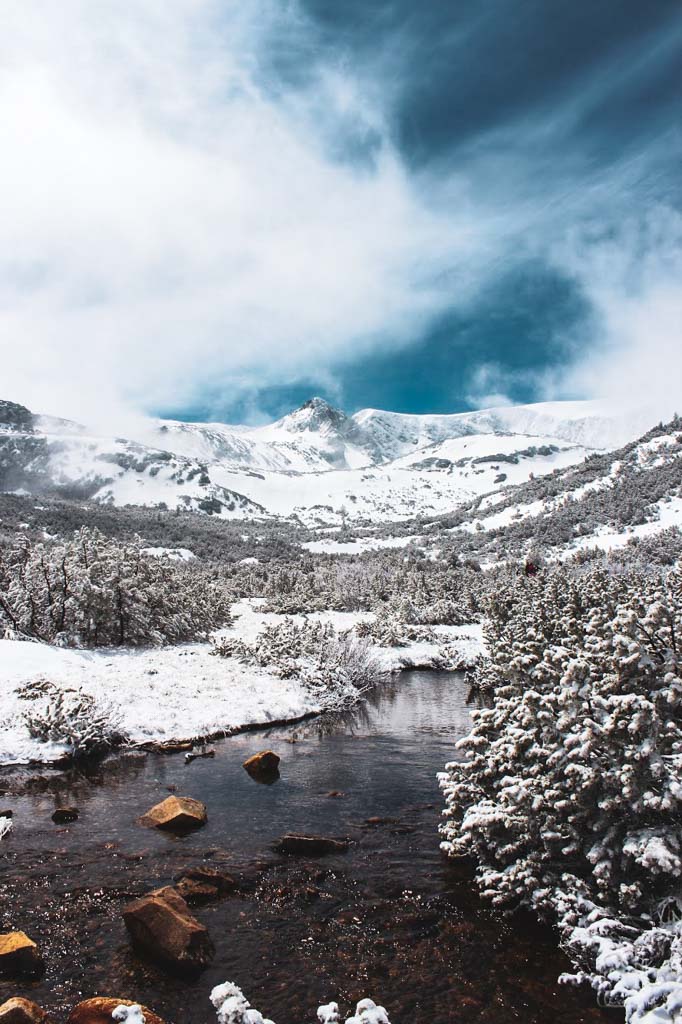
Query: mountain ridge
{"x": 317, "y": 463}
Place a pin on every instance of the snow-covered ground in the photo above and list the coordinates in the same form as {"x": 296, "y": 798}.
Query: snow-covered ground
{"x": 669, "y": 513}
{"x": 161, "y": 693}
{"x": 181, "y": 692}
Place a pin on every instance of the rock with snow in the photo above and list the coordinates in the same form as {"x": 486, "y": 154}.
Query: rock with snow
{"x": 101, "y": 1010}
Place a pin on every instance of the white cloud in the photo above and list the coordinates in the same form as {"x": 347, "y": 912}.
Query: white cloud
{"x": 168, "y": 221}
{"x": 175, "y": 220}
{"x": 631, "y": 276}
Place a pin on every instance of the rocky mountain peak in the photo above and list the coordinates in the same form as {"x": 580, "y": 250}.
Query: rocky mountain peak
{"x": 315, "y": 414}
{"x": 15, "y": 417}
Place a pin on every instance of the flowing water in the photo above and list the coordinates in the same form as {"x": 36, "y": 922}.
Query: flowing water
{"x": 392, "y": 918}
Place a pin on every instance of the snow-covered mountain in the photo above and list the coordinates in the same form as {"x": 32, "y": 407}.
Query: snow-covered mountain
{"x": 317, "y": 463}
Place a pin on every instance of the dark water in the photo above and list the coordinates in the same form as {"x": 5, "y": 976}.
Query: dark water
{"x": 392, "y": 918}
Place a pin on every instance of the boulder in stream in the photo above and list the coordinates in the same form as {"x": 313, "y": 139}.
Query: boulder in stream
{"x": 21, "y": 1011}
{"x": 310, "y": 846}
{"x": 100, "y": 1009}
{"x": 65, "y": 815}
{"x": 264, "y": 766}
{"x": 201, "y": 884}
{"x": 19, "y": 956}
{"x": 162, "y": 926}
{"x": 176, "y": 813}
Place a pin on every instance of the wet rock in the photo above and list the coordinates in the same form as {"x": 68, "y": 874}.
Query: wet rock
{"x": 335, "y": 794}
{"x": 19, "y": 956}
{"x": 176, "y": 813}
{"x": 168, "y": 746}
{"x": 310, "y": 846}
{"x": 7, "y": 813}
{"x": 196, "y": 892}
{"x": 161, "y": 926}
{"x": 65, "y": 815}
{"x": 201, "y": 884}
{"x": 202, "y": 753}
{"x": 21, "y": 1011}
{"x": 263, "y": 766}
{"x": 100, "y": 1009}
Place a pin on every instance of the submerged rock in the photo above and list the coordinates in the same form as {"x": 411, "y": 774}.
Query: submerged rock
{"x": 194, "y": 891}
{"x": 202, "y": 753}
{"x": 19, "y": 956}
{"x": 100, "y": 1009}
{"x": 263, "y": 766}
{"x": 65, "y": 815}
{"x": 162, "y": 926}
{"x": 310, "y": 846}
{"x": 21, "y": 1011}
{"x": 202, "y": 884}
{"x": 176, "y": 813}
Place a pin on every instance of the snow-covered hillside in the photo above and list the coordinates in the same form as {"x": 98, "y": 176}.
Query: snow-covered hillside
{"x": 317, "y": 463}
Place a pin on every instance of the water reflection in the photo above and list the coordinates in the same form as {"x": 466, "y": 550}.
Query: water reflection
{"x": 391, "y": 917}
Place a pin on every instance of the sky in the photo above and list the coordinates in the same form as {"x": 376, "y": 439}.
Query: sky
{"x": 214, "y": 210}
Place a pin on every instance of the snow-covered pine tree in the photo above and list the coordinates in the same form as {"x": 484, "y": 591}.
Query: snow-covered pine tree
{"x": 570, "y": 796}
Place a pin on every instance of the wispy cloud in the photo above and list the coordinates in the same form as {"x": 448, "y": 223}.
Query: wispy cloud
{"x": 203, "y": 197}
{"x": 168, "y": 220}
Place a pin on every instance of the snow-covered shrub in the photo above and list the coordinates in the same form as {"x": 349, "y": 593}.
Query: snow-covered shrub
{"x": 572, "y": 782}
{"x": 341, "y": 670}
{"x": 338, "y": 668}
{"x": 93, "y": 592}
{"x": 72, "y": 717}
{"x": 232, "y": 1007}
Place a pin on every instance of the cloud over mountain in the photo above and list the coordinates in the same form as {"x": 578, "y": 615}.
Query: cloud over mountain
{"x": 204, "y": 198}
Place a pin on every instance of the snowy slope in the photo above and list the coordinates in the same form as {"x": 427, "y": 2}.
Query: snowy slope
{"x": 613, "y": 498}
{"x": 316, "y": 463}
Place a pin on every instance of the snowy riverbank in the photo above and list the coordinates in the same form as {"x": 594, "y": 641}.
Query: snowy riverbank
{"x": 180, "y": 692}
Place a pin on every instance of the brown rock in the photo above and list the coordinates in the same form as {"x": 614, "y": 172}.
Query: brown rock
{"x": 310, "y": 846}
{"x": 176, "y": 813}
{"x": 200, "y": 884}
{"x": 65, "y": 815}
{"x": 19, "y": 955}
{"x": 203, "y": 873}
{"x": 99, "y": 1011}
{"x": 202, "y": 753}
{"x": 264, "y": 765}
{"x": 21, "y": 1011}
{"x": 196, "y": 892}
{"x": 6, "y": 813}
{"x": 162, "y": 926}
{"x": 168, "y": 746}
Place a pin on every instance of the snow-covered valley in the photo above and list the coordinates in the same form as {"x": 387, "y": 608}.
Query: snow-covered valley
{"x": 296, "y": 570}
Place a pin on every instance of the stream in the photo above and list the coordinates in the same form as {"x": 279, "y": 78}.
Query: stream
{"x": 392, "y": 918}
